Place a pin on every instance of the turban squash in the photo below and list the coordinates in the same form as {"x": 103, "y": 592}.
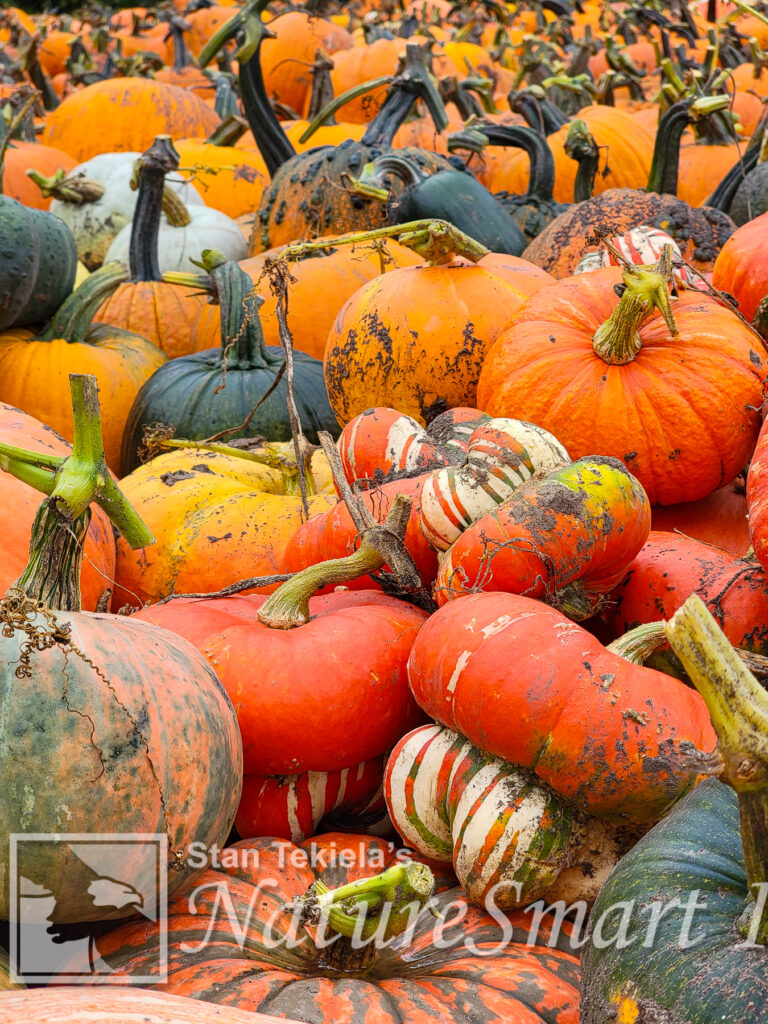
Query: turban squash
{"x": 446, "y": 970}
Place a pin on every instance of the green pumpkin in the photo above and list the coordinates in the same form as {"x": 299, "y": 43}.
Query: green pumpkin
{"x": 679, "y": 932}
{"x": 38, "y": 263}
{"x": 208, "y": 392}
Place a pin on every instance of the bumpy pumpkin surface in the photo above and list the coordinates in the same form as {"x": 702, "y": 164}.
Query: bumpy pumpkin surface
{"x": 653, "y": 411}
{"x": 602, "y": 732}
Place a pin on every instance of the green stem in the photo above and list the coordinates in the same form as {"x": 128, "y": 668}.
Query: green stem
{"x": 639, "y": 643}
{"x": 580, "y": 145}
{"x": 433, "y": 240}
{"x": 738, "y": 707}
{"x": 228, "y": 132}
{"x": 74, "y": 316}
{"x": 242, "y": 337}
{"x": 77, "y": 189}
{"x": 646, "y": 289}
{"x": 175, "y": 211}
{"x": 288, "y": 607}
{"x": 326, "y": 114}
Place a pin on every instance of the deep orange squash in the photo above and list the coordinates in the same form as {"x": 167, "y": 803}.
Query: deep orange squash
{"x": 647, "y": 398}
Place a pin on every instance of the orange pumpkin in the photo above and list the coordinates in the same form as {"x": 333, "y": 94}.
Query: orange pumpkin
{"x": 125, "y": 114}
{"x": 19, "y": 157}
{"x": 415, "y": 339}
{"x": 229, "y": 179}
{"x": 338, "y": 272}
{"x": 19, "y": 503}
{"x": 613, "y": 379}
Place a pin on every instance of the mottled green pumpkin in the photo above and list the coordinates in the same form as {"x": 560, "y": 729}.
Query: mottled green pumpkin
{"x": 697, "y": 848}
{"x": 206, "y": 392}
{"x": 38, "y": 263}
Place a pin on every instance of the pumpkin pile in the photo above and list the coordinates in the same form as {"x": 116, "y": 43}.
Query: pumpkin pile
{"x": 384, "y": 512}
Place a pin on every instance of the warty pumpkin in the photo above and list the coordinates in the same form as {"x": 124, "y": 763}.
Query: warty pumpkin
{"x": 130, "y": 752}
{"x": 415, "y": 339}
{"x": 434, "y": 969}
{"x": 35, "y": 369}
{"x": 605, "y": 364}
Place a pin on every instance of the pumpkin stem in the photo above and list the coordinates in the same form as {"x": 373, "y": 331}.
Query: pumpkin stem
{"x": 174, "y": 209}
{"x": 738, "y": 706}
{"x": 541, "y": 180}
{"x": 326, "y": 115}
{"x": 380, "y": 544}
{"x": 617, "y": 341}
{"x": 228, "y": 132}
{"x": 370, "y": 910}
{"x": 77, "y": 190}
{"x": 72, "y": 483}
{"x": 639, "y": 643}
{"x": 413, "y": 82}
{"x": 665, "y": 165}
{"x": 274, "y": 145}
{"x": 580, "y": 145}
{"x": 73, "y": 318}
{"x": 436, "y": 241}
{"x": 152, "y": 167}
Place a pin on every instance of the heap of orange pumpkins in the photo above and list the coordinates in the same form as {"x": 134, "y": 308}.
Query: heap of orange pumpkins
{"x": 393, "y": 375}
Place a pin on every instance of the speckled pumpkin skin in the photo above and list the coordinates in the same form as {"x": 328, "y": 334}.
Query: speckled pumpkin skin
{"x": 700, "y": 233}
{"x": 307, "y": 197}
{"x": 134, "y": 734}
{"x": 439, "y": 976}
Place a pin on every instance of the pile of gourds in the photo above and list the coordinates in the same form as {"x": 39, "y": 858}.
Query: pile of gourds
{"x": 393, "y": 375}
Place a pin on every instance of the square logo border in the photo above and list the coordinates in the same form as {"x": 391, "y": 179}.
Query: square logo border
{"x": 158, "y": 839}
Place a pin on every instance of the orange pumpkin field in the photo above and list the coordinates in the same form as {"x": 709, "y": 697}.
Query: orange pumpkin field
{"x": 384, "y": 512}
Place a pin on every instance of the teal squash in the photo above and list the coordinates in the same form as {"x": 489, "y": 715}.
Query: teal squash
{"x": 208, "y": 392}
{"x": 706, "y": 959}
{"x": 38, "y": 263}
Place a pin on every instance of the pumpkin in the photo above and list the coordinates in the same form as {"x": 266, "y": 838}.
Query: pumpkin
{"x": 703, "y": 957}
{"x": 63, "y": 1004}
{"x": 18, "y": 157}
{"x": 522, "y": 974}
{"x": 231, "y": 179}
{"x": 741, "y": 271}
{"x": 164, "y": 314}
{"x": 415, "y": 338}
{"x": 287, "y": 58}
{"x": 19, "y": 502}
{"x": 602, "y": 732}
{"x": 208, "y": 392}
{"x": 756, "y": 499}
{"x": 668, "y": 569}
{"x": 565, "y": 538}
{"x": 39, "y": 264}
{"x": 700, "y": 233}
{"x": 217, "y": 519}
{"x": 501, "y": 455}
{"x": 89, "y": 682}
{"x": 95, "y": 219}
{"x": 359, "y": 64}
{"x": 382, "y": 445}
{"x": 127, "y": 114}
{"x": 719, "y": 519}
{"x": 509, "y": 838}
{"x": 183, "y": 235}
{"x": 35, "y": 369}
{"x": 337, "y": 271}
{"x": 606, "y": 365}
{"x": 626, "y": 149}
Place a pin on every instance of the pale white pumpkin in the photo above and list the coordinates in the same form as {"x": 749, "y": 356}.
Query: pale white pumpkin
{"x": 178, "y": 246}
{"x": 95, "y": 224}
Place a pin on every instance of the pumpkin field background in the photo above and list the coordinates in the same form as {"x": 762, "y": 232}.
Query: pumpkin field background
{"x": 384, "y": 511}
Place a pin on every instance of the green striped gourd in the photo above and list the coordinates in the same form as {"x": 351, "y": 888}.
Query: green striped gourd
{"x": 509, "y": 837}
